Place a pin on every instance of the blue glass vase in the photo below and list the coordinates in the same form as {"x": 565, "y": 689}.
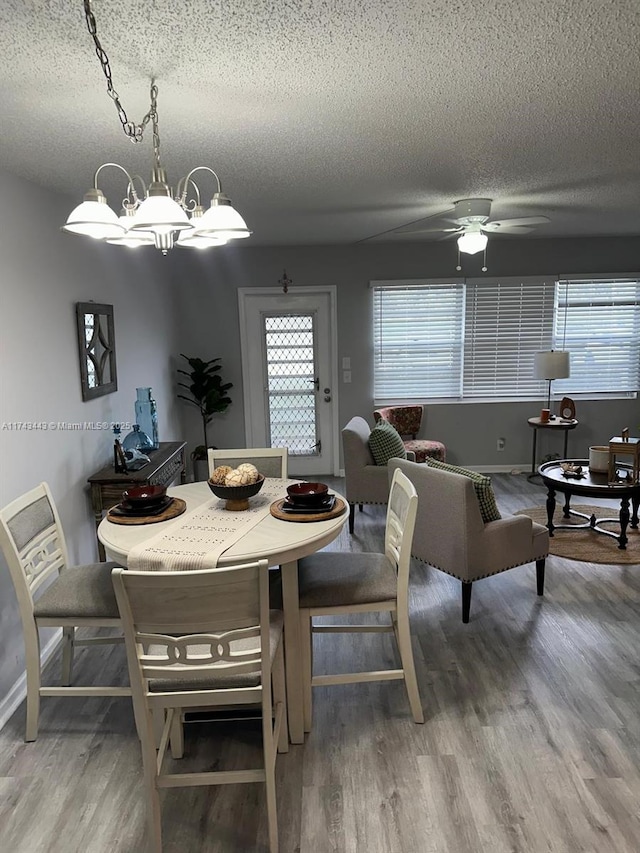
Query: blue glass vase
{"x": 147, "y": 415}
{"x": 137, "y": 440}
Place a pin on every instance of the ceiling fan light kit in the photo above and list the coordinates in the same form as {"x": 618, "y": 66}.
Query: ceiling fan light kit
{"x": 471, "y": 217}
{"x": 158, "y": 218}
{"x": 472, "y": 242}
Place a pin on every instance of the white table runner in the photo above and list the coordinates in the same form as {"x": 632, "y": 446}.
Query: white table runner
{"x": 198, "y": 539}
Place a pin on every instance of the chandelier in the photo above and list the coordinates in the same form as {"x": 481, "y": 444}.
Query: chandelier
{"x": 155, "y": 217}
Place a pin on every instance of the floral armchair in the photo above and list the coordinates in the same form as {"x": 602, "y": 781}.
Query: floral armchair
{"x": 407, "y": 421}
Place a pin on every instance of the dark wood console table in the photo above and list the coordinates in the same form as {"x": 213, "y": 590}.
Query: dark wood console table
{"x": 107, "y": 487}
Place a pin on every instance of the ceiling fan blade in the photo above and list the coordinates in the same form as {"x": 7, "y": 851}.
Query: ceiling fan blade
{"x": 428, "y": 230}
{"x": 499, "y": 224}
{"x": 508, "y": 229}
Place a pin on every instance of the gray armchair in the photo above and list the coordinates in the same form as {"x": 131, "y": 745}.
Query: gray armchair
{"x": 366, "y": 482}
{"x": 451, "y": 535}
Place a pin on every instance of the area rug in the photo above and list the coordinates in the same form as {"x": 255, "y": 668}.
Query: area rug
{"x": 588, "y": 546}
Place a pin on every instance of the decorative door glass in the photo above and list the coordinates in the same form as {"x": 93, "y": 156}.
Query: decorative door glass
{"x": 291, "y": 382}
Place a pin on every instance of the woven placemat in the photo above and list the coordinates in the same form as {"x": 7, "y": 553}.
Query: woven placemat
{"x": 277, "y": 512}
{"x": 175, "y": 508}
{"x": 586, "y": 545}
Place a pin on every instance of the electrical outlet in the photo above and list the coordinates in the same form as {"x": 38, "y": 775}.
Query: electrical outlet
{"x": 500, "y": 444}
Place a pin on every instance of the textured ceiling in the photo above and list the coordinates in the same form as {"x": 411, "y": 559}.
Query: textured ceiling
{"x": 330, "y": 121}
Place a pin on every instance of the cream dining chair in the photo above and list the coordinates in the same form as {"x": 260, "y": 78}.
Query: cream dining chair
{"x": 197, "y": 639}
{"x": 51, "y": 594}
{"x": 270, "y": 461}
{"x": 334, "y": 582}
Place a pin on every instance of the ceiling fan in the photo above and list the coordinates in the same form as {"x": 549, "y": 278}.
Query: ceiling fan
{"x": 471, "y": 217}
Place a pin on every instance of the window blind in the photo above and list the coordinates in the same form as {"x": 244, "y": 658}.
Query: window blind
{"x": 507, "y": 321}
{"x": 417, "y": 340}
{"x": 598, "y": 321}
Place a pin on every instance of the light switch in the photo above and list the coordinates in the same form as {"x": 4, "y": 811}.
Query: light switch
{"x": 346, "y": 365}
{"x": 346, "y": 376}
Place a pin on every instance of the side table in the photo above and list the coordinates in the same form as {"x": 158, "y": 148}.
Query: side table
{"x": 107, "y": 486}
{"x": 559, "y": 425}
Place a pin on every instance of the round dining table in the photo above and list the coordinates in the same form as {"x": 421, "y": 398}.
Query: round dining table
{"x": 280, "y": 542}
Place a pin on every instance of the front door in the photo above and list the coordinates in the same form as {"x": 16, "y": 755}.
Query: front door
{"x": 289, "y": 374}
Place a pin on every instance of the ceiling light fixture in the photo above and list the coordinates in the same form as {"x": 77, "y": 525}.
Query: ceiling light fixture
{"x": 157, "y": 218}
{"x": 472, "y": 242}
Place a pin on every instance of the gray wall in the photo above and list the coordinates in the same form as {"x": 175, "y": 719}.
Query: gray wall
{"x": 208, "y": 283}
{"x": 43, "y": 274}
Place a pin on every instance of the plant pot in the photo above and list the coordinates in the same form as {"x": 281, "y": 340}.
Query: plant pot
{"x": 200, "y": 470}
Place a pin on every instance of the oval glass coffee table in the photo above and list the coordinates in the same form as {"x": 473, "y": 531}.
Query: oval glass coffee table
{"x": 590, "y": 485}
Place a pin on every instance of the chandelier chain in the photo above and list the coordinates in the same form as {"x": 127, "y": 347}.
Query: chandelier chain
{"x": 132, "y": 130}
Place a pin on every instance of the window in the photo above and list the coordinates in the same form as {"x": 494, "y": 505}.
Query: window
{"x": 598, "y": 321}
{"x": 476, "y": 340}
{"x": 508, "y": 321}
{"x": 417, "y": 340}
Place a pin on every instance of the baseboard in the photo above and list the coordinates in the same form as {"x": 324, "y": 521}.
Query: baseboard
{"x": 18, "y": 693}
{"x": 523, "y": 468}
{"x": 489, "y": 469}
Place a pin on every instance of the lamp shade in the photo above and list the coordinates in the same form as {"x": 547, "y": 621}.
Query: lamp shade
{"x": 132, "y": 239}
{"x": 551, "y": 364}
{"x": 222, "y": 219}
{"x": 472, "y": 242}
{"x": 94, "y": 218}
{"x": 160, "y": 215}
{"x": 189, "y": 240}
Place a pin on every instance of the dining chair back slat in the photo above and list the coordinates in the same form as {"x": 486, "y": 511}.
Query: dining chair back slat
{"x": 192, "y": 602}
{"x": 270, "y": 461}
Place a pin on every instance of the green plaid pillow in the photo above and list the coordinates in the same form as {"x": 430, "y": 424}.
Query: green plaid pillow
{"x": 481, "y": 484}
{"x": 385, "y": 443}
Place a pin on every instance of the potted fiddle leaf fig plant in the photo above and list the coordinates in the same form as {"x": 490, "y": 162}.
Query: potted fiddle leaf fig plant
{"x": 207, "y": 391}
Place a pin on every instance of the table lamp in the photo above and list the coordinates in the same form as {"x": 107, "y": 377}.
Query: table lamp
{"x": 550, "y": 365}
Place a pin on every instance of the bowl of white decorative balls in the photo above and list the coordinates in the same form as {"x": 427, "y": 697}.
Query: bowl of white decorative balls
{"x": 236, "y": 485}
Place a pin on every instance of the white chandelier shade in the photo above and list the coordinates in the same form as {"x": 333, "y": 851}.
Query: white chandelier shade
{"x": 132, "y": 239}
{"x": 222, "y": 220}
{"x": 160, "y": 215}
{"x": 94, "y": 218}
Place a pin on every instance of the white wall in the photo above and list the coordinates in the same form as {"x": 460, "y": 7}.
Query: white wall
{"x": 209, "y": 281}
{"x": 43, "y": 273}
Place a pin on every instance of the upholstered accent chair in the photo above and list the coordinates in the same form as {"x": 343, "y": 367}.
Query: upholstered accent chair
{"x": 365, "y": 482}
{"x": 407, "y": 420}
{"x": 451, "y": 535}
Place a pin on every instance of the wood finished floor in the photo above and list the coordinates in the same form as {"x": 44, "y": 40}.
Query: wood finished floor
{"x": 531, "y": 741}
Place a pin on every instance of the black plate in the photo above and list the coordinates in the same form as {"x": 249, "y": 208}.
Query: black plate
{"x": 296, "y": 509}
{"x": 128, "y": 510}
